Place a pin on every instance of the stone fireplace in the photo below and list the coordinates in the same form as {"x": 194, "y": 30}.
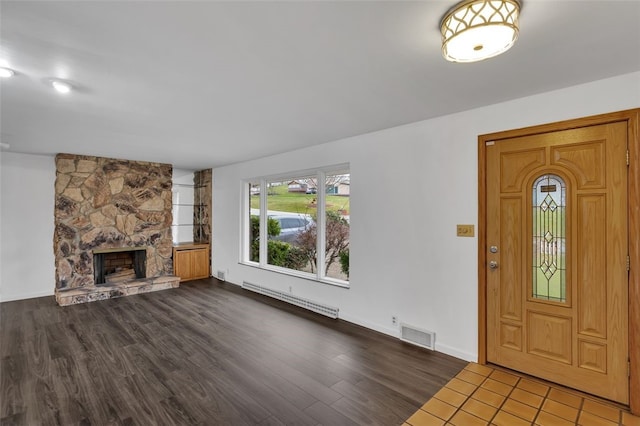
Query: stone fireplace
{"x": 112, "y": 220}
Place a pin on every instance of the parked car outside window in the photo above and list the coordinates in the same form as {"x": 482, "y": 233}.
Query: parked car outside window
{"x": 290, "y": 226}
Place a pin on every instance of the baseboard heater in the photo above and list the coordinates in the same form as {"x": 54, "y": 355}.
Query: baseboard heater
{"x": 418, "y": 337}
{"x": 319, "y": 308}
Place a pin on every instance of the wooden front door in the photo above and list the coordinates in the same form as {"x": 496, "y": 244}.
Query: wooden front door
{"x": 557, "y": 256}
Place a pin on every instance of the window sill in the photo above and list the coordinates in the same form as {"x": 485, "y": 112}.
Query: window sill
{"x": 304, "y": 275}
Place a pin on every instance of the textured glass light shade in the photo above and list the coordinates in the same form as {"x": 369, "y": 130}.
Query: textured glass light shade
{"x": 6, "y": 72}
{"x": 479, "y": 29}
{"x": 61, "y": 86}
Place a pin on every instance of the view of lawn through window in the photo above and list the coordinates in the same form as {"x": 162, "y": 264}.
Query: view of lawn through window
{"x": 295, "y": 238}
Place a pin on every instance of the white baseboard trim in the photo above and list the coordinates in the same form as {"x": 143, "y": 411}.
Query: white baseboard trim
{"x": 13, "y": 297}
{"x": 449, "y": 350}
{"x": 445, "y": 349}
{"x": 389, "y": 331}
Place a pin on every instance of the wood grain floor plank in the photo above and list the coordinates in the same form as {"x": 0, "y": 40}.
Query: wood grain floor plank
{"x": 392, "y": 376}
{"x": 18, "y": 326}
{"x": 13, "y": 377}
{"x": 72, "y": 408}
{"x": 374, "y": 396}
{"x": 361, "y": 415}
{"x": 276, "y": 398}
{"x": 271, "y": 421}
{"x": 268, "y": 374}
{"x": 41, "y": 393}
{"x": 106, "y": 388}
{"x": 177, "y": 413}
{"x": 225, "y": 402}
{"x": 326, "y": 415}
{"x": 13, "y": 420}
{"x": 207, "y": 353}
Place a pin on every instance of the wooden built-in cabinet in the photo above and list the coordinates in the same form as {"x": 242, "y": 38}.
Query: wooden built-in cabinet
{"x": 191, "y": 261}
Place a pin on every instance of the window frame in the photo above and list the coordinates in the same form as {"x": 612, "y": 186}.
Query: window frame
{"x": 320, "y": 174}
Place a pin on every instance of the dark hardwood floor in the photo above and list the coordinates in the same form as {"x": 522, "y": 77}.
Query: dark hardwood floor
{"x": 206, "y": 353}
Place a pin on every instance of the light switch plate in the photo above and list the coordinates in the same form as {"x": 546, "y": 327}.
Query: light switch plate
{"x": 465, "y": 230}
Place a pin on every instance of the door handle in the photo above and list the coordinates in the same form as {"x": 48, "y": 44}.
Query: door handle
{"x": 493, "y": 264}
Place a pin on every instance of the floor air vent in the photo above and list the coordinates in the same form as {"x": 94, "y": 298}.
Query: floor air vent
{"x": 221, "y": 275}
{"x": 423, "y": 338}
{"x": 294, "y": 300}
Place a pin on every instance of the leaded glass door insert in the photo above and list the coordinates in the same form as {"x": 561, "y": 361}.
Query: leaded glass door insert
{"x": 549, "y": 239}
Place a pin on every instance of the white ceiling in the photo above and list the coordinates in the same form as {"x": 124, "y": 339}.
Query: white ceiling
{"x": 201, "y": 84}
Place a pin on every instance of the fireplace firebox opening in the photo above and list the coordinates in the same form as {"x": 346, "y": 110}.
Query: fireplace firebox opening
{"x": 119, "y": 265}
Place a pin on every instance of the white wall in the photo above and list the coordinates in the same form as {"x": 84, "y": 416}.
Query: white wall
{"x": 410, "y": 186}
{"x": 26, "y": 226}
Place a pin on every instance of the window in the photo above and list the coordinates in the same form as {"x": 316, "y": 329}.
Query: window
{"x": 336, "y": 226}
{"x": 253, "y": 228}
{"x": 549, "y": 239}
{"x": 299, "y": 224}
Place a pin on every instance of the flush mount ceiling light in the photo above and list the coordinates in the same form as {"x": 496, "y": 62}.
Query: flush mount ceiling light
{"x": 61, "y": 86}
{"x": 6, "y": 72}
{"x": 479, "y": 29}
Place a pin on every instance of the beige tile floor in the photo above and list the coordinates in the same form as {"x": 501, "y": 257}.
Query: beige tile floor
{"x": 481, "y": 395}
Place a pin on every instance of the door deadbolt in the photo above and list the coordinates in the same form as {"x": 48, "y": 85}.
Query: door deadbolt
{"x": 493, "y": 249}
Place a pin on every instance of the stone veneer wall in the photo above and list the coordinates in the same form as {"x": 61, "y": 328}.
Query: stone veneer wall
{"x": 202, "y": 180}
{"x": 104, "y": 203}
